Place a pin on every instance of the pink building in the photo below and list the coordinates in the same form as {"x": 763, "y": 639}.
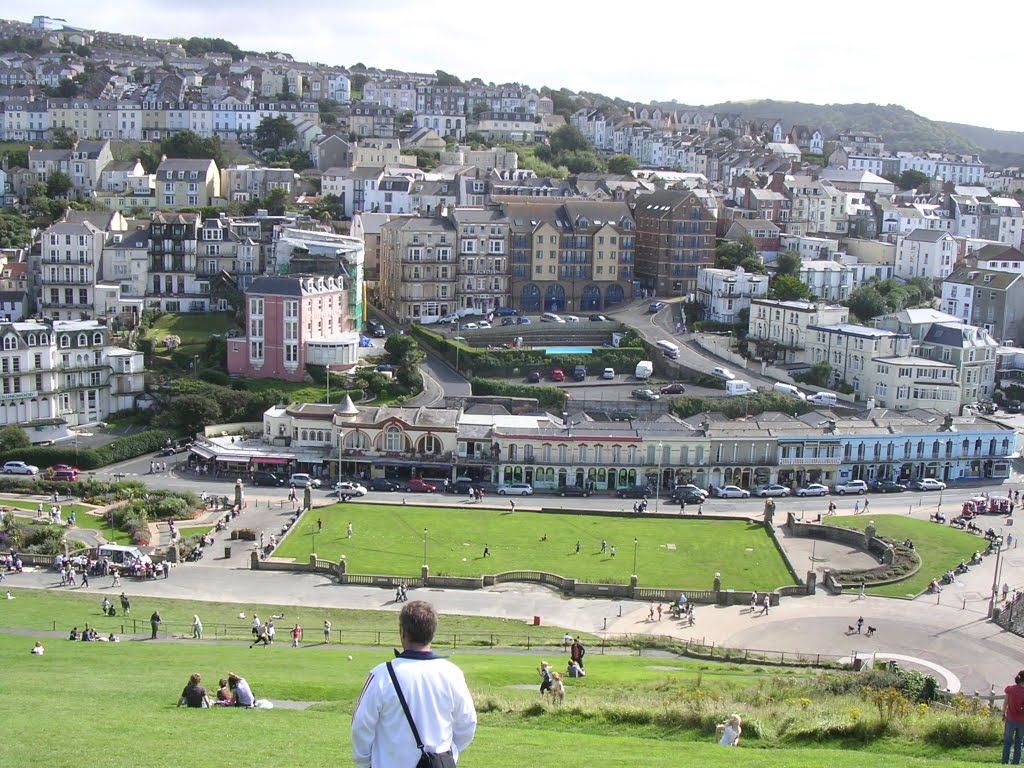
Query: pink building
{"x": 291, "y": 322}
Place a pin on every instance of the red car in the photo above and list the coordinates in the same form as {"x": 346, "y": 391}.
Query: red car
{"x": 419, "y": 486}
{"x": 61, "y": 472}
{"x": 558, "y": 375}
{"x": 673, "y": 389}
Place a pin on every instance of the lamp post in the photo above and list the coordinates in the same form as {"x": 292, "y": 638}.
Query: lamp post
{"x": 424, "y": 546}
{"x": 313, "y": 532}
{"x": 995, "y": 581}
{"x": 635, "y": 544}
{"x": 657, "y": 487}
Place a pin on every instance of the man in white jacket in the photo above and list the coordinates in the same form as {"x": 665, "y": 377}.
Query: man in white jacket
{"x": 435, "y": 690}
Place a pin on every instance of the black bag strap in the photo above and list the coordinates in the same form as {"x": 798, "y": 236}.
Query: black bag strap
{"x": 405, "y": 707}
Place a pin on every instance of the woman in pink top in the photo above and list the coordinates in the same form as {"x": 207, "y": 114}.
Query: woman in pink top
{"x": 1013, "y": 719}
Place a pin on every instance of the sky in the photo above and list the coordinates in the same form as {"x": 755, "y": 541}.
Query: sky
{"x": 942, "y": 60}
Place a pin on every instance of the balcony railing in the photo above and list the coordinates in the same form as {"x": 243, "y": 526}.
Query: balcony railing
{"x": 789, "y": 461}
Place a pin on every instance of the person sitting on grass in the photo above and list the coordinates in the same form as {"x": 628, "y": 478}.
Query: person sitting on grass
{"x": 241, "y": 692}
{"x": 194, "y": 694}
{"x": 730, "y": 732}
{"x": 37, "y": 649}
{"x": 74, "y": 634}
{"x": 224, "y": 698}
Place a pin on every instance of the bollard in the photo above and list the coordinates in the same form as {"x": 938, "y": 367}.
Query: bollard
{"x": 620, "y": 611}
{"x": 605, "y": 623}
{"x": 965, "y": 605}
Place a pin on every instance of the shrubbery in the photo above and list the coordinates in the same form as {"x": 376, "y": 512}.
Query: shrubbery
{"x": 546, "y": 397}
{"x": 121, "y": 449}
{"x": 734, "y": 407}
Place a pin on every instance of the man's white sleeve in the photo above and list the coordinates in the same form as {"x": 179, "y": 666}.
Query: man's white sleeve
{"x": 464, "y": 717}
{"x": 364, "y": 723}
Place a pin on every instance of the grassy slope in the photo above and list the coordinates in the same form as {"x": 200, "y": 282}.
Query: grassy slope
{"x": 939, "y": 547}
{"x": 670, "y": 553}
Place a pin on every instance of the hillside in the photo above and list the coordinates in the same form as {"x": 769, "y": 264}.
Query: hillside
{"x": 990, "y": 138}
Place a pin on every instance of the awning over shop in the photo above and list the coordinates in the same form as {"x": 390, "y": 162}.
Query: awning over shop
{"x": 202, "y": 451}
{"x": 268, "y": 460}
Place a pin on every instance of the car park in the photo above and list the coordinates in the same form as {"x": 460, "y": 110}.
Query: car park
{"x": 383, "y": 484}
{"x": 262, "y": 477}
{"x": 772, "y": 490}
{"x": 812, "y": 489}
{"x": 416, "y": 485}
{"x": 551, "y": 317}
{"x": 573, "y": 490}
{"x": 889, "y": 486}
{"x": 634, "y": 492}
{"x": 515, "y": 489}
{"x": 533, "y": 377}
{"x": 301, "y": 480}
{"x": 673, "y": 389}
{"x": 850, "y": 486}
{"x": 347, "y": 488}
{"x": 646, "y": 394}
{"x": 558, "y": 375}
{"x": 928, "y": 484}
{"x": 608, "y": 374}
{"x": 731, "y": 492}
{"x": 655, "y": 307}
{"x": 598, "y": 319}
{"x": 19, "y": 468}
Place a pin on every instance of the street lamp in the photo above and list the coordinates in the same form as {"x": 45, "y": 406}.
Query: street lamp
{"x": 424, "y": 546}
{"x": 313, "y": 532}
{"x": 995, "y": 579}
{"x": 635, "y": 544}
{"x": 657, "y": 487}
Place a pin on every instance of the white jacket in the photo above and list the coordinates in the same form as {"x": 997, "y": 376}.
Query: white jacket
{"x": 438, "y": 699}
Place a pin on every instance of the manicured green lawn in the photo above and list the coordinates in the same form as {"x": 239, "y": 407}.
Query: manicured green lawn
{"x": 682, "y": 553}
{"x": 82, "y": 520}
{"x": 194, "y": 530}
{"x": 193, "y": 328}
{"x": 940, "y": 547}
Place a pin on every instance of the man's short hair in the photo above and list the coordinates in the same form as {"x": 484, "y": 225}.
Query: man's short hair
{"x": 418, "y": 621}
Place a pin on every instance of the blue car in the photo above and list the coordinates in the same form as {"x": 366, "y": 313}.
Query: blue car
{"x": 505, "y": 311}
{"x": 656, "y": 306}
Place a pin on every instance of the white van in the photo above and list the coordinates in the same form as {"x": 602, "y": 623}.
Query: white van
{"x": 738, "y": 387}
{"x": 644, "y": 369}
{"x": 822, "y": 398}
{"x": 723, "y": 373}
{"x": 789, "y": 389}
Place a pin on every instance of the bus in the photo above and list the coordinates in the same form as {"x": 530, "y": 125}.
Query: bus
{"x": 668, "y": 349}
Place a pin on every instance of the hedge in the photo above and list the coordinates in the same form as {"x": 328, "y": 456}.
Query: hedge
{"x": 743, "y": 405}
{"x": 547, "y": 397}
{"x": 121, "y": 449}
{"x": 508, "y": 362}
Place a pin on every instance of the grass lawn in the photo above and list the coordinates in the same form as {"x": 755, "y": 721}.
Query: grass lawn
{"x": 82, "y": 520}
{"x": 670, "y": 553}
{"x": 627, "y": 711}
{"x": 940, "y": 547}
{"x": 194, "y": 530}
{"x": 193, "y": 328}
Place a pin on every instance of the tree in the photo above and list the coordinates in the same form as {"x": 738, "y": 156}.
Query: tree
{"x": 188, "y": 144}
{"x": 568, "y": 139}
{"x": 328, "y": 205}
{"x": 444, "y": 78}
{"x": 911, "y": 179}
{"x": 788, "y": 288}
{"x": 788, "y": 263}
{"x": 62, "y": 138}
{"x": 924, "y": 285}
{"x": 730, "y": 254}
{"x": 867, "y": 302}
{"x": 404, "y": 118}
{"x": 17, "y": 156}
{"x": 14, "y": 230}
{"x": 193, "y": 412}
{"x": 356, "y": 81}
{"x": 274, "y": 133}
{"x": 57, "y": 184}
{"x": 12, "y": 438}
{"x": 406, "y": 356}
{"x": 622, "y": 164}
{"x": 818, "y": 375}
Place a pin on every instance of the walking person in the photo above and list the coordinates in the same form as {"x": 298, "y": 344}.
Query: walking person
{"x": 85, "y": 577}
{"x": 860, "y": 624}
{"x": 271, "y": 630}
{"x": 613, "y": 550}
{"x": 348, "y": 531}
{"x": 262, "y": 635}
{"x": 512, "y": 504}
{"x": 154, "y": 623}
{"x": 753, "y": 601}
{"x": 1013, "y": 719}
{"x": 126, "y": 607}
{"x": 766, "y": 605}
{"x": 197, "y": 628}
{"x": 604, "y": 545}
{"x": 117, "y": 579}
{"x": 577, "y": 546}
{"x": 856, "y": 507}
{"x": 1006, "y": 590}
{"x": 296, "y": 635}
{"x": 434, "y": 702}
{"x": 487, "y": 551}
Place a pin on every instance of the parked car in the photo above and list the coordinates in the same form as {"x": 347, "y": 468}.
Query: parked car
{"x": 551, "y": 317}
{"x": 772, "y": 490}
{"x": 690, "y": 487}
{"x": 646, "y": 394}
{"x": 889, "y": 486}
{"x": 416, "y": 485}
{"x": 533, "y": 377}
{"x": 570, "y": 318}
{"x": 558, "y": 375}
{"x": 469, "y": 327}
{"x": 346, "y": 488}
{"x": 687, "y": 494}
{"x": 928, "y": 484}
{"x": 19, "y": 468}
{"x": 522, "y": 320}
{"x": 655, "y": 307}
{"x": 483, "y": 324}
{"x": 634, "y": 492}
{"x": 515, "y": 489}
{"x": 510, "y": 321}
{"x": 1012, "y": 406}
{"x": 573, "y": 490}
{"x": 376, "y": 328}
{"x": 598, "y": 319}
{"x": 383, "y": 484}
{"x": 608, "y": 374}
{"x": 449, "y": 318}
{"x": 850, "y": 486}
{"x": 731, "y": 492}
{"x": 673, "y": 389}
{"x": 262, "y": 477}
{"x": 301, "y": 480}
{"x": 813, "y": 489}
{"x": 622, "y": 416}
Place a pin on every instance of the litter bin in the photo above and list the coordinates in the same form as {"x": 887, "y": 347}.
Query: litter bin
{"x": 536, "y": 621}
{"x": 227, "y": 552}
{"x": 858, "y": 664}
